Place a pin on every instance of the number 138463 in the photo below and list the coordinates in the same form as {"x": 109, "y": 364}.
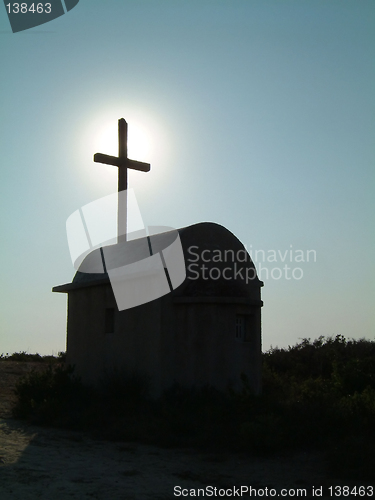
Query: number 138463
{"x": 24, "y": 8}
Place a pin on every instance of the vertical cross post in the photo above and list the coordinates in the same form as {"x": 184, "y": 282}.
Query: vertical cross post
{"x": 122, "y": 180}
{"x": 123, "y": 163}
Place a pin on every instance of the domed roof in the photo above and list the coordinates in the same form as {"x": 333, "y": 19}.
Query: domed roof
{"x": 217, "y": 263}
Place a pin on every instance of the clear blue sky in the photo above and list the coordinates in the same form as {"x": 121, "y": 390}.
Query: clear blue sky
{"x": 260, "y": 117}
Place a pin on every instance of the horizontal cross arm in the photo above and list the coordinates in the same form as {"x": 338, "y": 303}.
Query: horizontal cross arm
{"x": 108, "y": 160}
{"x": 122, "y": 162}
{"x": 138, "y": 165}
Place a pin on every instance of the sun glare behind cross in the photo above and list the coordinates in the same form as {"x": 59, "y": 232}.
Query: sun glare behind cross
{"x": 139, "y": 141}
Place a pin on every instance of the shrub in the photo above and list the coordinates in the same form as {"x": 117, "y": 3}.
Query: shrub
{"x": 24, "y": 356}
{"x": 48, "y": 396}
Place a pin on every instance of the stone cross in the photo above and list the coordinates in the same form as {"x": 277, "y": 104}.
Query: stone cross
{"x": 123, "y": 163}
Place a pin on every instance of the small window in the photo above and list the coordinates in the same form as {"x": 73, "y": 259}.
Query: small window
{"x": 109, "y": 320}
{"x": 240, "y": 327}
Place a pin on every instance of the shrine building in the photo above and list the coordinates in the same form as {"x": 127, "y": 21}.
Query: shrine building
{"x": 206, "y": 332}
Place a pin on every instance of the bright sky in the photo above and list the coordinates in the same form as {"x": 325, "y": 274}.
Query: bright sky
{"x": 256, "y": 115}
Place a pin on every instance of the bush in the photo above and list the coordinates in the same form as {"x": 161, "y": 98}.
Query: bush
{"x": 24, "y": 356}
{"x": 50, "y": 396}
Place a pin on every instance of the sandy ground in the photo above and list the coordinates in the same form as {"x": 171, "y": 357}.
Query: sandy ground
{"x": 40, "y": 463}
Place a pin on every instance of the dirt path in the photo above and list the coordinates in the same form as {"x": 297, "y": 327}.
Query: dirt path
{"x": 55, "y": 464}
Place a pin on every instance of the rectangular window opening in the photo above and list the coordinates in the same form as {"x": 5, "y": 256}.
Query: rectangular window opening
{"x": 244, "y": 327}
{"x": 240, "y": 327}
